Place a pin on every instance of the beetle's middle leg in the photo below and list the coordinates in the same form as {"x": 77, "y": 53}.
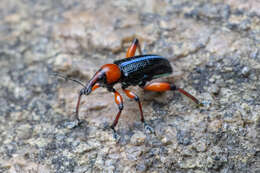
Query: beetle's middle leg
{"x": 131, "y": 95}
{"x": 119, "y": 102}
{"x": 132, "y": 49}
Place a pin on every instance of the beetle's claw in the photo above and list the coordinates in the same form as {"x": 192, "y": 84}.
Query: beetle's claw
{"x": 73, "y": 124}
{"x": 148, "y": 128}
{"x": 116, "y": 136}
{"x": 79, "y": 122}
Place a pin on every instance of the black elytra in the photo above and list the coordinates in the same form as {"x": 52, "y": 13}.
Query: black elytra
{"x": 140, "y": 69}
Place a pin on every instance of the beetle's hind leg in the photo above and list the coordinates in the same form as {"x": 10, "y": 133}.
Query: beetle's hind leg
{"x": 131, "y": 95}
{"x": 166, "y": 86}
{"x": 132, "y": 49}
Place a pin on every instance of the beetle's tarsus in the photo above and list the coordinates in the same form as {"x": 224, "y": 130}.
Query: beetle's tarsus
{"x": 149, "y": 129}
{"x": 79, "y": 122}
{"x": 116, "y": 136}
{"x": 76, "y": 118}
{"x": 73, "y": 124}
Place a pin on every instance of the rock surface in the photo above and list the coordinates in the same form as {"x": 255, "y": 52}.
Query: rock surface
{"x": 213, "y": 46}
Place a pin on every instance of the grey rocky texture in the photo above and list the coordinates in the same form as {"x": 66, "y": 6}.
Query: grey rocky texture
{"x": 213, "y": 46}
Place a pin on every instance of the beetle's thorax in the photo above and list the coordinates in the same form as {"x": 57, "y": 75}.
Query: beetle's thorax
{"x": 112, "y": 73}
{"x": 108, "y": 74}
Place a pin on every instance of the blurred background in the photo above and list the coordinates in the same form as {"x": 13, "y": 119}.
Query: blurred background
{"x": 213, "y": 47}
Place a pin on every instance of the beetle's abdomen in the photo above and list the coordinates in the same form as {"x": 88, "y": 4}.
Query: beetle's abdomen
{"x": 139, "y": 69}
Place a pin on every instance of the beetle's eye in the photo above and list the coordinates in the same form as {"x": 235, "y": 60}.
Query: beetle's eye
{"x": 102, "y": 78}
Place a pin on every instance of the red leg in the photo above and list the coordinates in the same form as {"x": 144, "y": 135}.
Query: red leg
{"x": 82, "y": 91}
{"x": 119, "y": 102}
{"x": 131, "y": 95}
{"x": 165, "y": 86}
{"x": 131, "y": 50}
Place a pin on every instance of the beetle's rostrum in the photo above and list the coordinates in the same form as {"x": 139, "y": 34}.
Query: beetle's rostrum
{"x": 132, "y": 71}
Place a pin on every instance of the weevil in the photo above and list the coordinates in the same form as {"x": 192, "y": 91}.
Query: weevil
{"x": 132, "y": 71}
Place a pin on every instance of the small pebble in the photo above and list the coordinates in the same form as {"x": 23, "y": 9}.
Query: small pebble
{"x": 138, "y": 138}
{"x": 245, "y": 71}
{"x": 214, "y": 89}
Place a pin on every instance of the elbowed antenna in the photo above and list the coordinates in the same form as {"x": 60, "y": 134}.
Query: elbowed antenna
{"x": 67, "y": 78}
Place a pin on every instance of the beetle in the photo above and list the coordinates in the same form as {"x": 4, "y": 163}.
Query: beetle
{"x": 132, "y": 71}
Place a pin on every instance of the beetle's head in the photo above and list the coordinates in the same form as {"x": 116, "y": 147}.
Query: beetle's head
{"x": 108, "y": 74}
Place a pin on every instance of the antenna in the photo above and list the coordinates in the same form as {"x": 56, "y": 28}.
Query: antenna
{"x": 67, "y": 78}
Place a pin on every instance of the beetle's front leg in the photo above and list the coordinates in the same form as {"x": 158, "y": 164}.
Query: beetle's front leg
{"x": 76, "y": 122}
{"x": 82, "y": 92}
{"x": 86, "y": 90}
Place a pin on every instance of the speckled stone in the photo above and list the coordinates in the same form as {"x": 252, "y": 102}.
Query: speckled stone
{"x": 138, "y": 138}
